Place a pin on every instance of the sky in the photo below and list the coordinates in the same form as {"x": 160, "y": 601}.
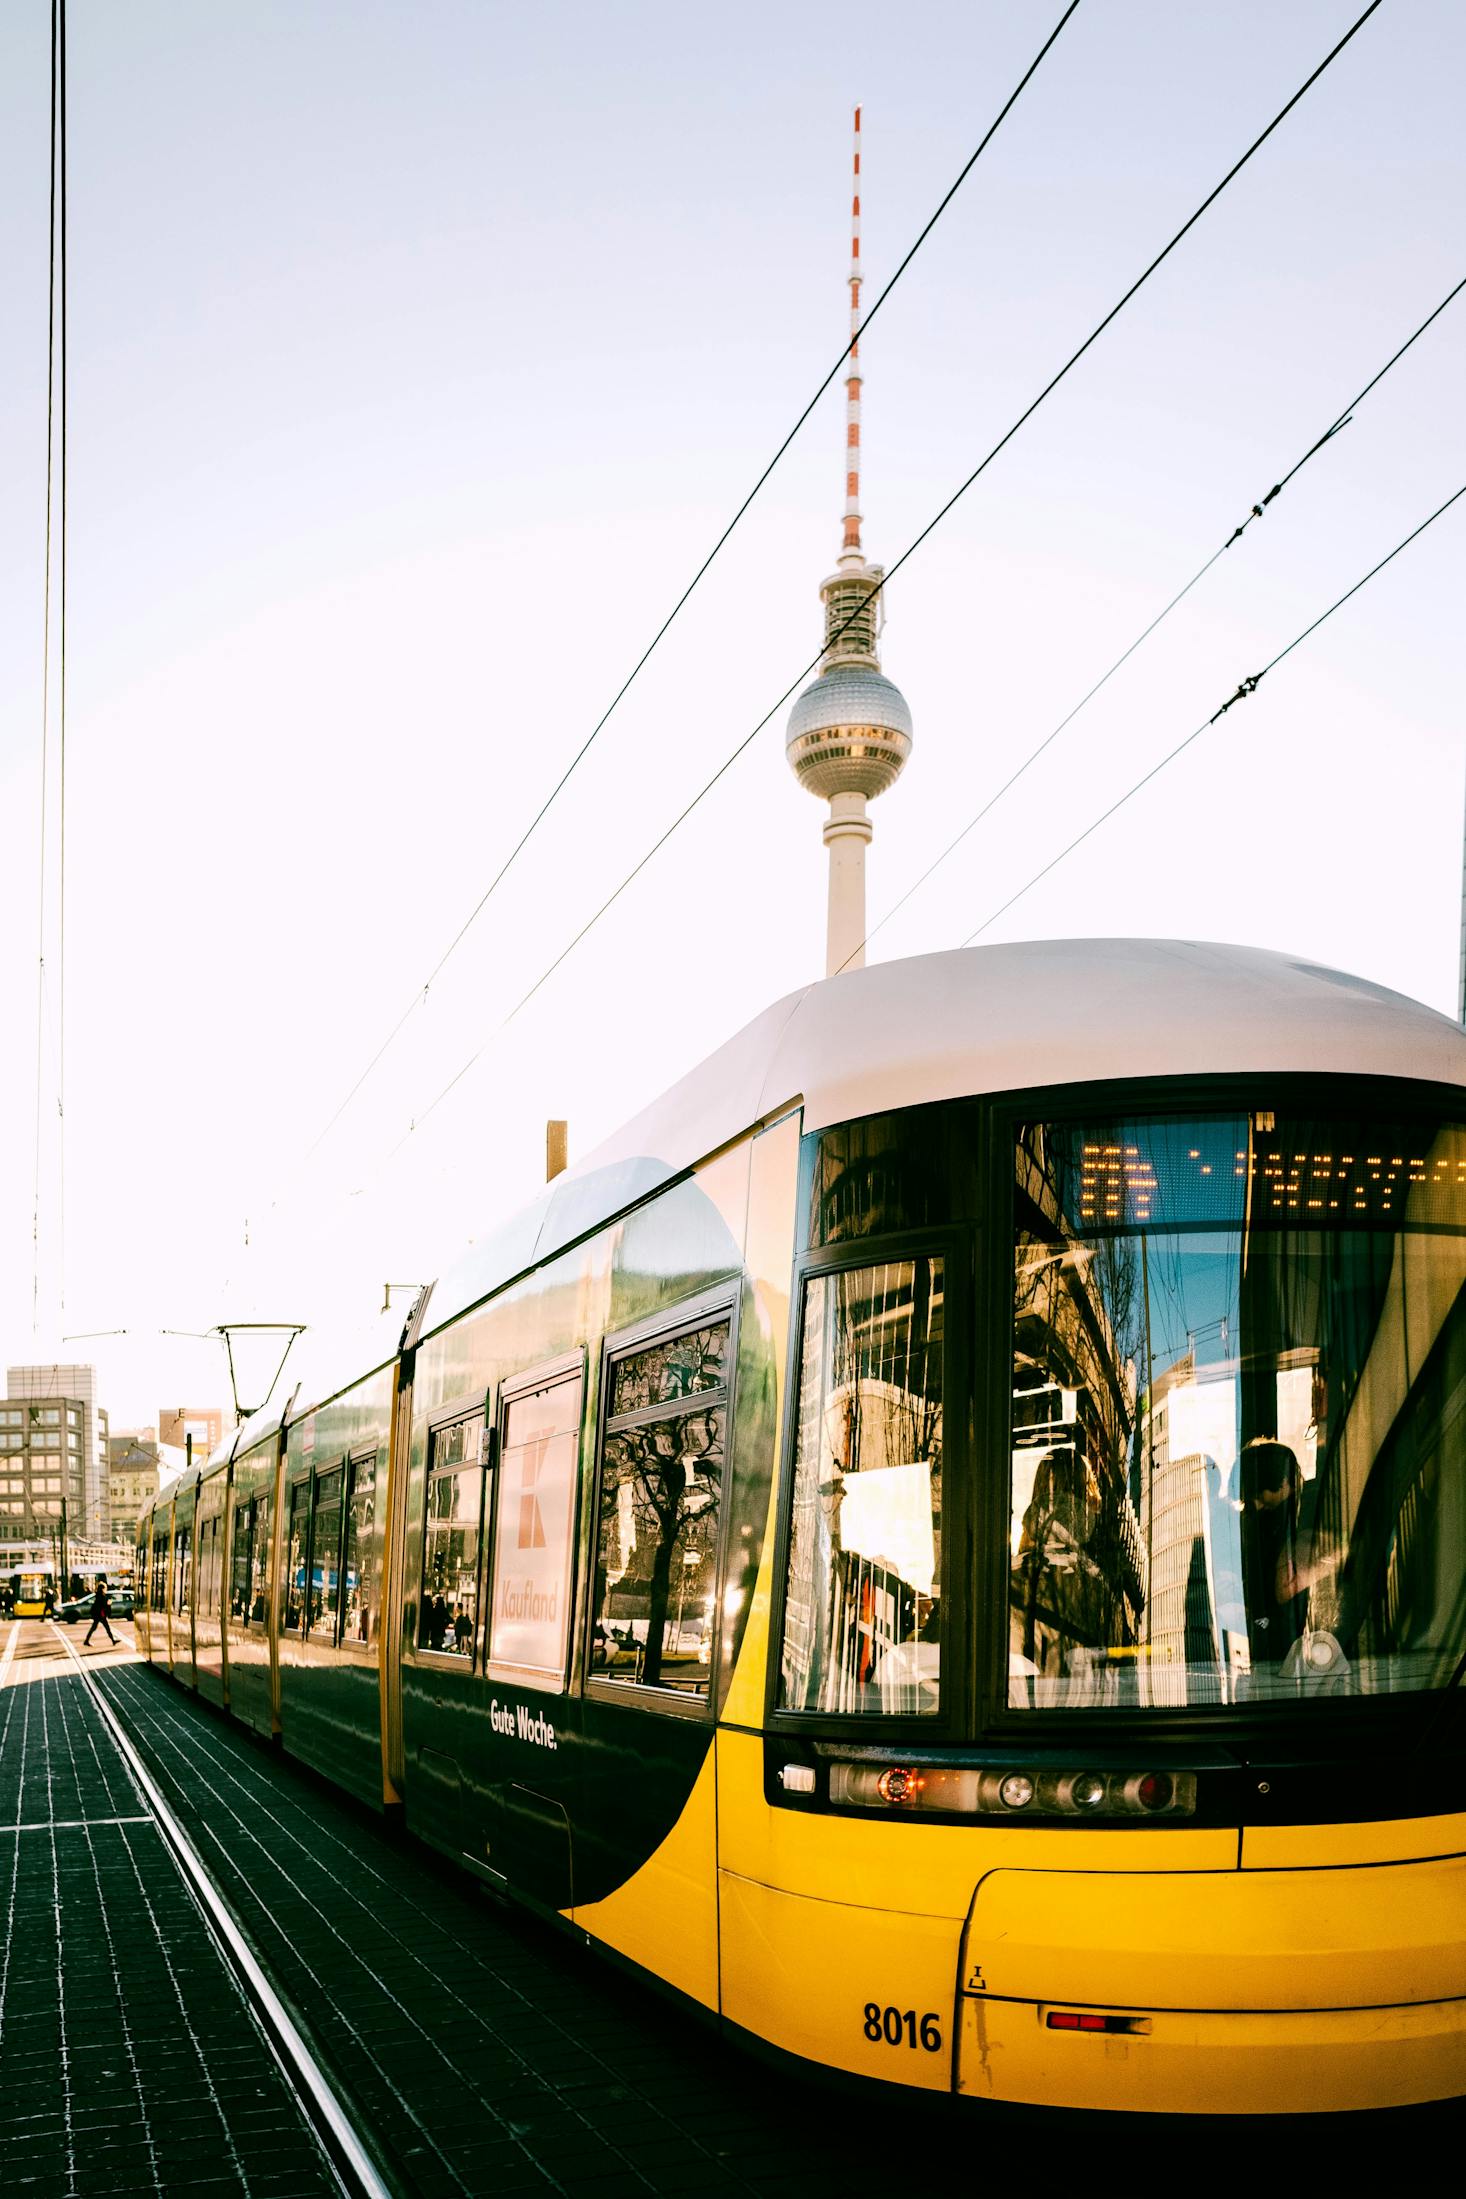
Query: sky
{"x": 417, "y": 356}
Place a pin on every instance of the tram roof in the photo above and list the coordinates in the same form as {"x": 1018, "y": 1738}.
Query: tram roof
{"x": 976, "y": 1021}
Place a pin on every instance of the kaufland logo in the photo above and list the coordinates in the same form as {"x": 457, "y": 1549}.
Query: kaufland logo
{"x": 531, "y": 1524}
{"x": 525, "y": 1599}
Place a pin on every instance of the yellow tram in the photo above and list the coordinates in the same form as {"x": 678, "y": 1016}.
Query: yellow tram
{"x": 943, "y": 1541}
{"x": 33, "y": 1596}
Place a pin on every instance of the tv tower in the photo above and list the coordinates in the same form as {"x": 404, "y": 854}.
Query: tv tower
{"x": 850, "y": 731}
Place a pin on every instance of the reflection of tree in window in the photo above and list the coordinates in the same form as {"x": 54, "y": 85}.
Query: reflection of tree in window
{"x": 862, "y": 1617}
{"x": 661, "y": 1492}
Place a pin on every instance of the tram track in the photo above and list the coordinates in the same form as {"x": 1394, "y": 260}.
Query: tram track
{"x": 342, "y": 2146}
{"x": 486, "y": 2052}
{"x": 128, "y": 2117}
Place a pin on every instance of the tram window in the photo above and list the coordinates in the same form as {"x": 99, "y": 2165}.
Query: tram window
{"x": 259, "y": 1578}
{"x": 324, "y": 1574}
{"x": 295, "y": 1547}
{"x": 1239, "y": 1355}
{"x": 448, "y": 1610}
{"x": 208, "y": 1565}
{"x": 244, "y": 1523}
{"x": 158, "y": 1600}
{"x": 660, "y": 1501}
{"x": 182, "y": 1576}
{"x": 913, "y": 1169}
{"x": 534, "y": 1532}
{"x": 359, "y": 1567}
{"x": 862, "y": 1612}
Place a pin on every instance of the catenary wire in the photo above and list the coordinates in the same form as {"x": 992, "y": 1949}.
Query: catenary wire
{"x": 910, "y": 550}
{"x": 45, "y": 682}
{"x": 61, "y": 746}
{"x": 1245, "y": 688}
{"x": 1256, "y": 512}
{"x": 420, "y": 995}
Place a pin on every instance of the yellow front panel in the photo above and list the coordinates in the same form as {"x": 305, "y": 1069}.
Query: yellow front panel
{"x": 936, "y": 1867}
{"x": 1223, "y": 1940}
{"x": 665, "y": 1917}
{"x": 1393, "y": 1840}
{"x": 807, "y": 1975}
{"x": 1268, "y": 2064}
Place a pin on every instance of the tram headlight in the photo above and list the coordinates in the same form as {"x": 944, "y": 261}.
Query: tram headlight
{"x": 948, "y": 1788}
{"x": 900, "y": 1784}
{"x": 1155, "y": 1790}
{"x": 931, "y": 1788}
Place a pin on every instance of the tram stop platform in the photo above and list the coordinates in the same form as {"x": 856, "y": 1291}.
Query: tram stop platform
{"x": 465, "y": 2047}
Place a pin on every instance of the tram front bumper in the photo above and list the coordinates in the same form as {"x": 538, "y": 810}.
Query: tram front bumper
{"x": 1251, "y": 1992}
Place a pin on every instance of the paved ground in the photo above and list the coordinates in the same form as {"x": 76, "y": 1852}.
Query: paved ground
{"x": 128, "y": 2059}
{"x": 484, "y": 2054}
{"x": 489, "y": 2055}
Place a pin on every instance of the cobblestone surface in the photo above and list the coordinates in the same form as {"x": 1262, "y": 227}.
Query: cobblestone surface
{"x": 488, "y": 2054}
{"x": 483, "y": 2053}
{"x": 129, "y": 2061}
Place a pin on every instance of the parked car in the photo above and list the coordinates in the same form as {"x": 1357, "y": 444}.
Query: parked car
{"x": 119, "y": 1606}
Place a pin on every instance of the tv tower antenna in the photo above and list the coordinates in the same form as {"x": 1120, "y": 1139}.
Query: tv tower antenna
{"x": 850, "y": 731}
{"x": 851, "y": 541}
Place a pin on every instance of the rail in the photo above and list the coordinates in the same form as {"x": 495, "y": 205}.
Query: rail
{"x": 350, "y": 2162}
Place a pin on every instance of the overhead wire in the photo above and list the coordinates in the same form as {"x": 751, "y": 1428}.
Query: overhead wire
{"x": 421, "y": 993}
{"x": 61, "y": 740}
{"x": 911, "y": 548}
{"x": 1256, "y": 512}
{"x": 1246, "y": 688}
{"x": 57, "y": 80}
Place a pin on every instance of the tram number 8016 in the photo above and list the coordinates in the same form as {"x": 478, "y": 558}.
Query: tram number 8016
{"x": 902, "y": 2027}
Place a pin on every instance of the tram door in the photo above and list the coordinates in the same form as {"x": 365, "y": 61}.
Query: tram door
{"x": 392, "y": 1514}
{"x": 531, "y": 1500}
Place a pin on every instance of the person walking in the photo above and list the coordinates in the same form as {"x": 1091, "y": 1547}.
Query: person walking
{"x": 100, "y": 1607}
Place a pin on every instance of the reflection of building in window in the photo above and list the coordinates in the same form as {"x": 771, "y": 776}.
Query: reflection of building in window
{"x": 1180, "y": 1629}
{"x": 660, "y": 1505}
{"x": 863, "y": 1599}
{"x": 359, "y": 1561}
{"x": 1263, "y": 1329}
{"x": 448, "y": 1612}
{"x": 1077, "y": 1568}
{"x": 325, "y": 1556}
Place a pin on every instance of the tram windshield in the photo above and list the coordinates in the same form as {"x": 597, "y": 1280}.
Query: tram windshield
{"x": 1238, "y": 1438}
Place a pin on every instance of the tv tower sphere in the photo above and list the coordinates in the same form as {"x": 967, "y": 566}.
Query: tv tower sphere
{"x": 850, "y": 731}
